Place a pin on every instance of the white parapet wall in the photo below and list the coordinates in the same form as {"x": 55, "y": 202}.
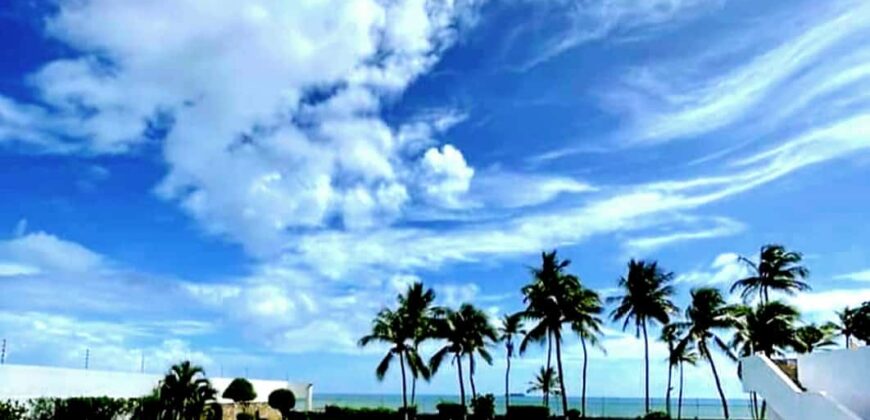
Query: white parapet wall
{"x": 844, "y": 375}
{"x": 21, "y": 382}
{"x": 787, "y": 401}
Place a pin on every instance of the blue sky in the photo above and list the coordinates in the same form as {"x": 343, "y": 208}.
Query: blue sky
{"x": 246, "y": 183}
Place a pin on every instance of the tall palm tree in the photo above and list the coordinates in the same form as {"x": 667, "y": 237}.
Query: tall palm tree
{"x": 511, "y": 326}
{"x": 765, "y": 329}
{"x": 812, "y": 337}
{"x": 545, "y": 382}
{"x": 584, "y": 309}
{"x": 646, "y": 298}
{"x": 777, "y": 269}
{"x": 184, "y": 392}
{"x": 466, "y": 332}
{"x": 683, "y": 356}
{"x": 845, "y": 325}
{"x": 670, "y": 336}
{"x": 705, "y": 316}
{"x": 389, "y": 327}
{"x": 546, "y": 299}
{"x": 479, "y": 334}
{"x": 416, "y": 307}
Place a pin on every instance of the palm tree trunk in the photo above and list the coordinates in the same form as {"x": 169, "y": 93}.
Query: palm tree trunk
{"x": 461, "y": 381}
{"x": 585, "y": 364}
{"x": 668, "y": 393}
{"x": 561, "y": 377}
{"x": 413, "y": 389}
{"x": 709, "y": 357}
{"x": 471, "y": 375}
{"x": 549, "y": 364}
{"x": 646, "y": 367}
{"x": 507, "y": 383}
{"x": 404, "y": 385}
{"x": 680, "y": 398}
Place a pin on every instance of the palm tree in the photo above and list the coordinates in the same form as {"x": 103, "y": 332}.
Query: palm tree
{"x": 670, "y": 336}
{"x": 766, "y": 329}
{"x": 184, "y": 392}
{"x": 846, "y": 324}
{"x": 707, "y": 314}
{"x": 777, "y": 269}
{"x": 466, "y": 332}
{"x": 646, "y": 298}
{"x": 416, "y": 307}
{"x": 811, "y": 337}
{"x": 511, "y": 326}
{"x": 683, "y": 356}
{"x": 583, "y": 313}
{"x": 389, "y": 327}
{"x": 479, "y": 334}
{"x": 546, "y": 300}
{"x": 545, "y": 382}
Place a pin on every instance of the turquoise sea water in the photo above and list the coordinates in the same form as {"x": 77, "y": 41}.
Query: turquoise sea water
{"x": 702, "y": 408}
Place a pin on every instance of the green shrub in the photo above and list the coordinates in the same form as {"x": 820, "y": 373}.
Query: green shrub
{"x": 574, "y": 414}
{"x": 12, "y": 410}
{"x": 240, "y": 391}
{"x": 332, "y": 412}
{"x": 83, "y": 408}
{"x": 655, "y": 415}
{"x": 282, "y": 400}
{"x": 527, "y": 412}
{"x": 245, "y": 416}
{"x": 451, "y": 411}
{"x": 483, "y": 407}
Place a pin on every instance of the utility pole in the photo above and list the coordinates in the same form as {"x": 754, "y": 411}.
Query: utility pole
{"x": 3, "y": 353}
{"x": 87, "y": 358}
{"x": 142, "y": 364}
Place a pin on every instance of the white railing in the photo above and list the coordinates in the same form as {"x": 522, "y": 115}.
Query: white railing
{"x": 785, "y": 398}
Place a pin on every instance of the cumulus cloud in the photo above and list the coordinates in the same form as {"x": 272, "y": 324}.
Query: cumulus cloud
{"x": 856, "y": 276}
{"x": 447, "y": 176}
{"x": 725, "y": 269}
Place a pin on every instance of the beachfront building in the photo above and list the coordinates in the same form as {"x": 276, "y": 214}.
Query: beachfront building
{"x": 22, "y": 382}
{"x": 832, "y": 385}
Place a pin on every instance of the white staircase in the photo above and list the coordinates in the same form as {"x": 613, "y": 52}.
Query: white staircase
{"x": 785, "y": 399}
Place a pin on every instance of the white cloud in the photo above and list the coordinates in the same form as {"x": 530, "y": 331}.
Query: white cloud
{"x": 447, "y": 177}
{"x": 721, "y": 227}
{"x": 34, "y": 252}
{"x": 725, "y": 269}
{"x": 821, "y": 306}
{"x": 684, "y": 100}
{"x": 592, "y": 21}
{"x": 505, "y": 189}
{"x": 856, "y": 276}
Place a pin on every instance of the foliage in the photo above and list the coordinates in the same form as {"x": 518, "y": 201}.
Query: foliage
{"x": 82, "y": 408}
{"x": 546, "y": 382}
{"x": 527, "y": 412}
{"x": 655, "y": 415}
{"x": 184, "y": 392}
{"x": 862, "y": 323}
{"x": 451, "y": 411}
{"x": 483, "y": 407}
{"x": 465, "y": 332}
{"x": 282, "y": 400}
{"x": 12, "y": 410}
{"x": 777, "y": 269}
{"x": 245, "y": 416}
{"x": 240, "y": 390}
{"x": 812, "y": 337}
{"x": 767, "y": 328}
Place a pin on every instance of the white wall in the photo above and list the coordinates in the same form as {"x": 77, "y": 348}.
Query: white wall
{"x": 19, "y": 382}
{"x": 785, "y": 400}
{"x": 844, "y": 375}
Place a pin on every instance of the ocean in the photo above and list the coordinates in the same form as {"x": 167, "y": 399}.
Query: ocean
{"x": 701, "y": 408}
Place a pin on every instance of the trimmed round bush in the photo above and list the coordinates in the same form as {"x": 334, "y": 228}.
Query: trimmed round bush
{"x": 282, "y": 400}
{"x": 450, "y": 411}
{"x": 240, "y": 391}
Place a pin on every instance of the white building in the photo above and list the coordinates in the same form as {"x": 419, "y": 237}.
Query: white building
{"x": 20, "y": 382}
{"x": 832, "y": 385}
